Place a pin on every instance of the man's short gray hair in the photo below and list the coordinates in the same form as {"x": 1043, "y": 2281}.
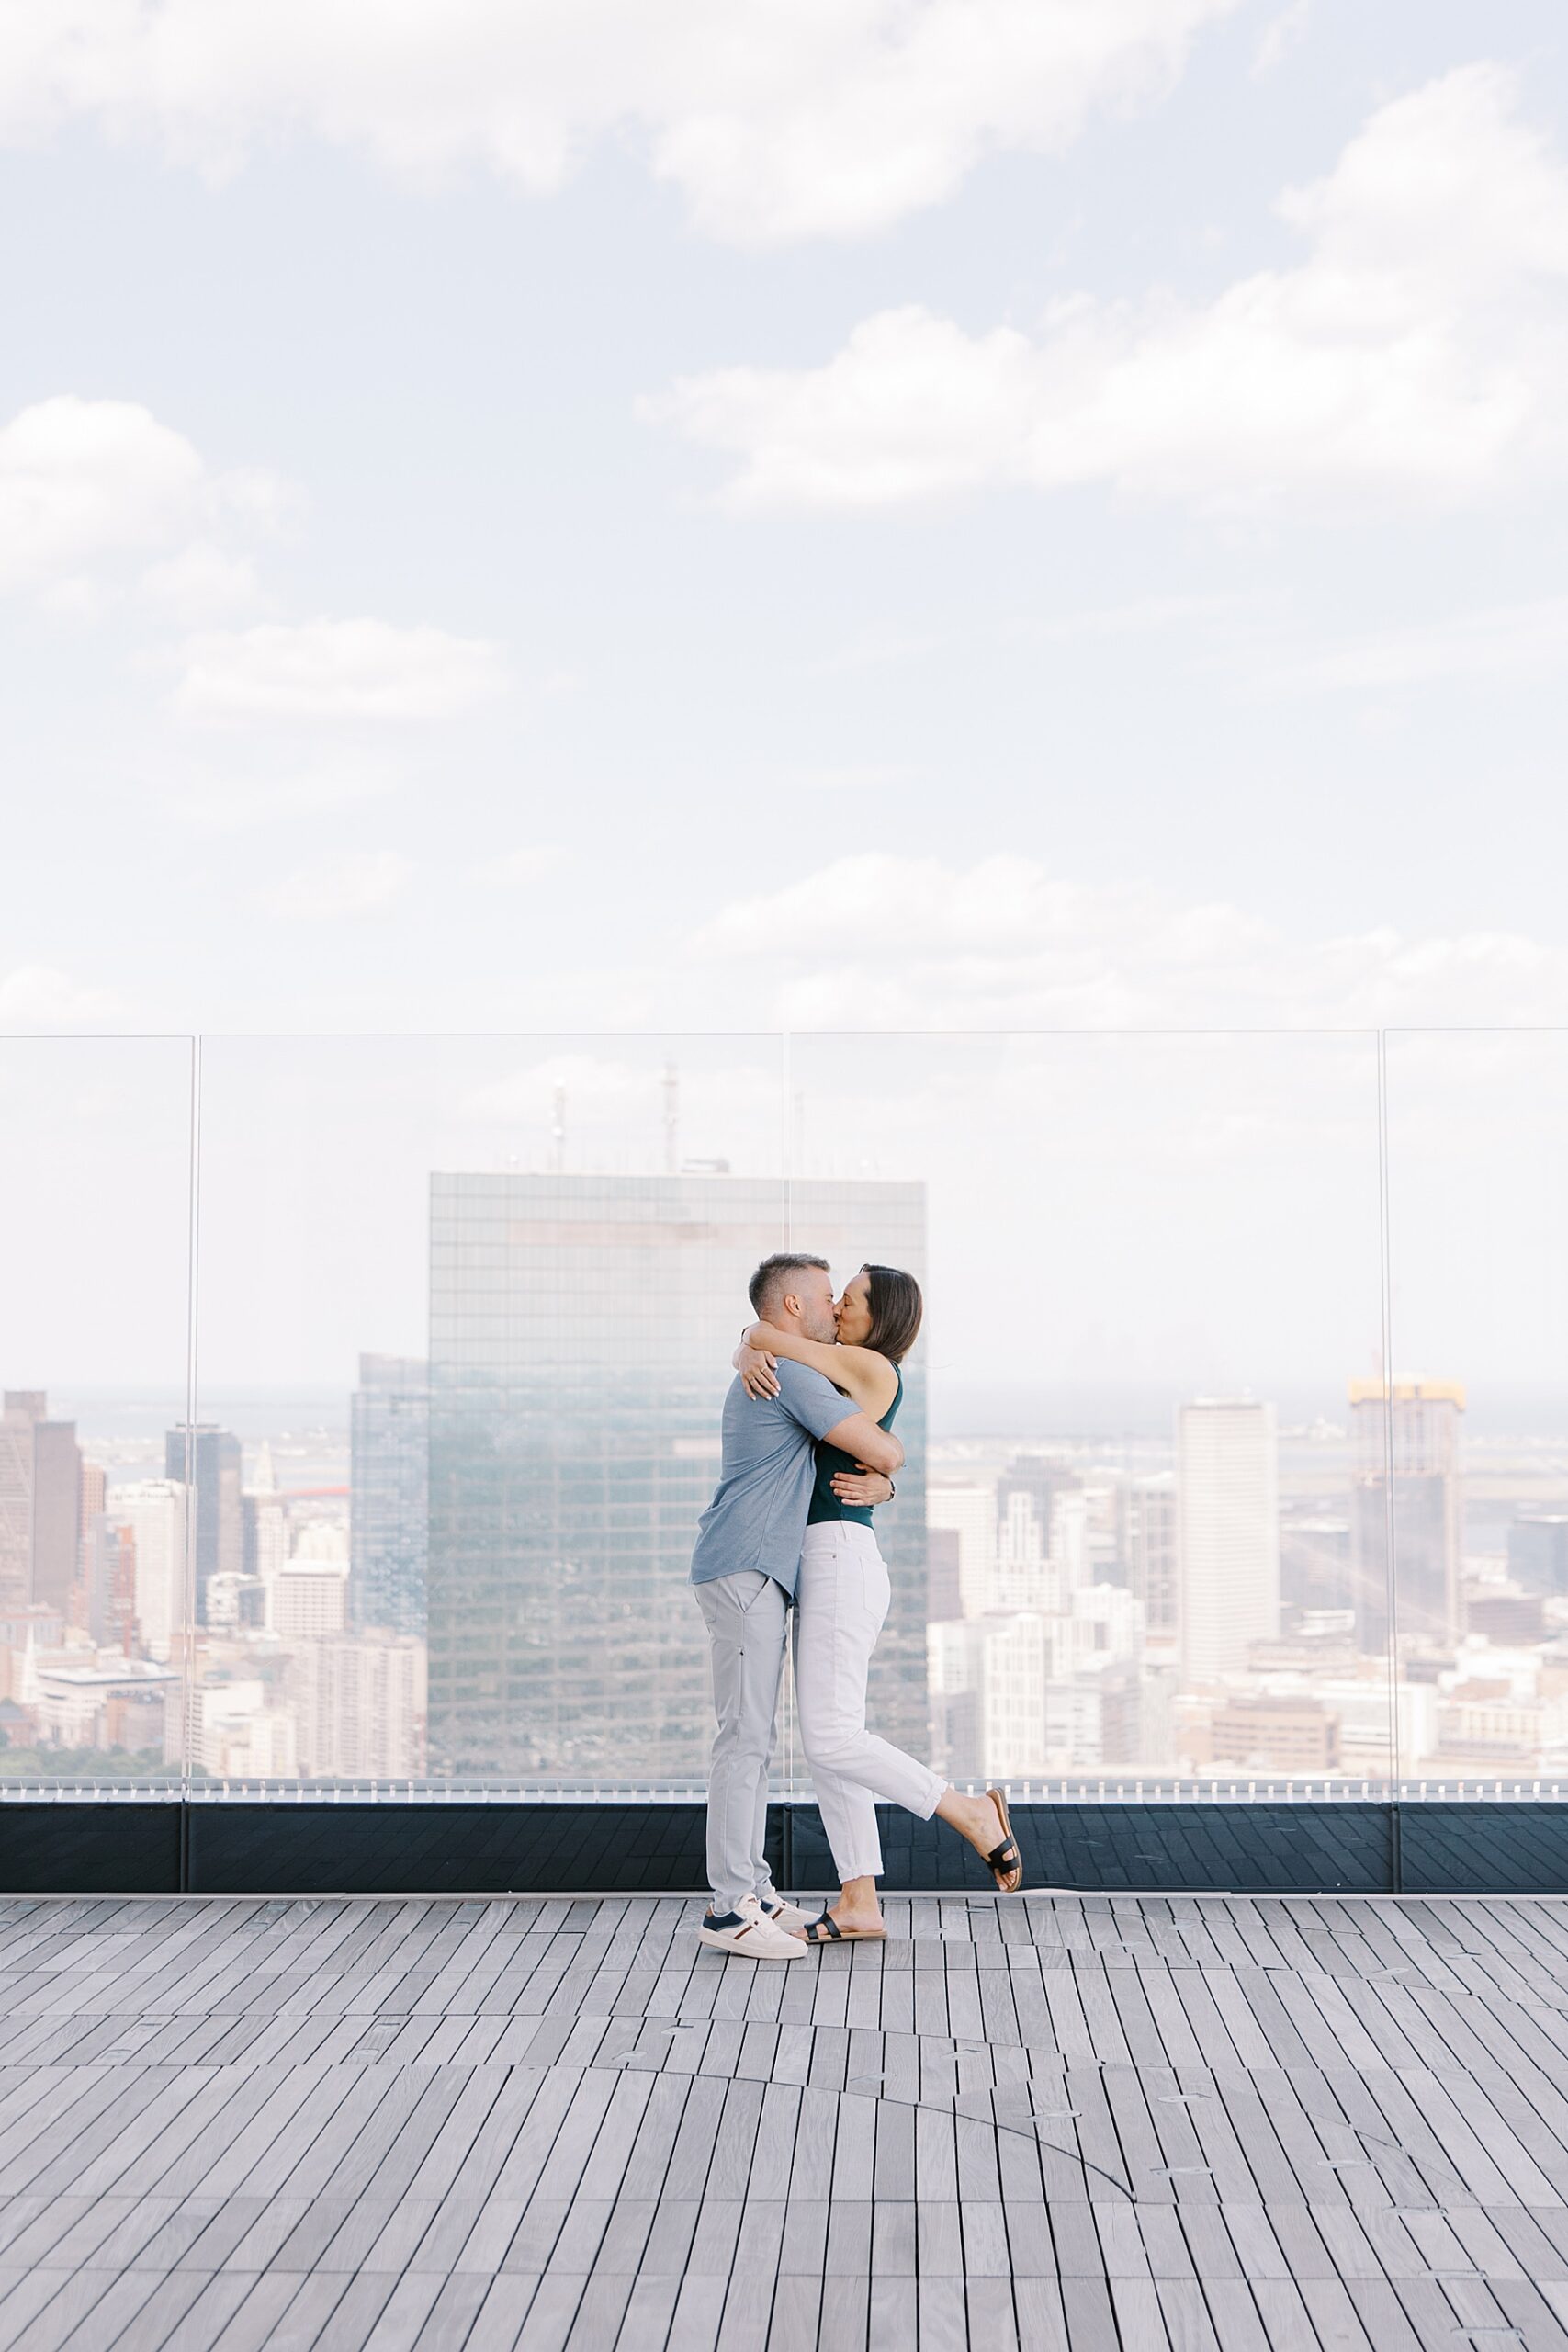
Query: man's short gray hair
{"x": 770, "y": 1280}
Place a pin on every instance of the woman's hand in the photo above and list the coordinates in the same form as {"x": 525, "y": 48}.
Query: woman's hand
{"x": 758, "y": 1370}
{"x": 861, "y": 1487}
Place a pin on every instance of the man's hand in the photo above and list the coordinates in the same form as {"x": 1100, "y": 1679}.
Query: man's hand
{"x": 758, "y": 1370}
{"x": 861, "y": 1487}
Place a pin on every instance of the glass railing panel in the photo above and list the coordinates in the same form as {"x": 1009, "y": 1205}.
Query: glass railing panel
{"x": 96, "y": 1503}
{"x": 467, "y": 1308}
{"x": 1126, "y": 1538}
{"x": 1478, "y": 1433}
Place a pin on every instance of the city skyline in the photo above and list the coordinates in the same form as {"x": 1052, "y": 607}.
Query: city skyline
{"x": 1070, "y": 1590}
{"x": 474, "y": 1568}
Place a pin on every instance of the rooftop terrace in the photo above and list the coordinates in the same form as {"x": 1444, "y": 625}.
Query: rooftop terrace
{"x": 1093, "y": 2121}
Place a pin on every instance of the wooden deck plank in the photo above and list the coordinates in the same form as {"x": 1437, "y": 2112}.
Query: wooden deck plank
{"x": 1068, "y": 2122}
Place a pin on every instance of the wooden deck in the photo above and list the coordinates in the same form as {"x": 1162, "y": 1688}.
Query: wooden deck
{"x": 1315, "y": 2125}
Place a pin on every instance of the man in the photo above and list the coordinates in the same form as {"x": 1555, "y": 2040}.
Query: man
{"x": 744, "y": 1569}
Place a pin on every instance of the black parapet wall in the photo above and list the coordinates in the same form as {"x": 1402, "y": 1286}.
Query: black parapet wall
{"x": 1138, "y": 1848}
{"x": 444, "y": 1849}
{"x": 119, "y": 1849}
{"x": 322, "y": 1847}
{"x": 1494, "y": 1847}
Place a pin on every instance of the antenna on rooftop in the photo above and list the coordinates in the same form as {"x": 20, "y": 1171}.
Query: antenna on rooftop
{"x": 558, "y": 1131}
{"x": 671, "y": 1120}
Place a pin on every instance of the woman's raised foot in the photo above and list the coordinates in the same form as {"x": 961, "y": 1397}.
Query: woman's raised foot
{"x": 983, "y": 1823}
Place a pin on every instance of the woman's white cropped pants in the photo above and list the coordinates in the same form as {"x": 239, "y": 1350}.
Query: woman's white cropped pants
{"x": 840, "y": 1601}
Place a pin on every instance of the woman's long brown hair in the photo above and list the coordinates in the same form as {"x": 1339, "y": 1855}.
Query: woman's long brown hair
{"x": 897, "y": 1307}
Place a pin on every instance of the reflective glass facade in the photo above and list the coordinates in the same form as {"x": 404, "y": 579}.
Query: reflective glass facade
{"x": 388, "y": 1516}
{"x": 581, "y": 1329}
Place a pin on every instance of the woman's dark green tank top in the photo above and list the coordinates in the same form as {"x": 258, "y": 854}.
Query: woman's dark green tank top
{"x": 832, "y": 1459}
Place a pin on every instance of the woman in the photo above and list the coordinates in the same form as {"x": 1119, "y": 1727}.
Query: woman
{"x": 840, "y": 1601}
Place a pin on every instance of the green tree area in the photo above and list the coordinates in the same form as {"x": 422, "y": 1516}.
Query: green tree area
{"x": 84, "y": 1764}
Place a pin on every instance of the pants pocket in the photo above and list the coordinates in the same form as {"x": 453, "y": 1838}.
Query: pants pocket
{"x": 877, "y": 1593}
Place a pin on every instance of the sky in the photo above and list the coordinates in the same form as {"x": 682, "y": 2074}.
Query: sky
{"x": 589, "y": 525}
{"x": 962, "y": 513}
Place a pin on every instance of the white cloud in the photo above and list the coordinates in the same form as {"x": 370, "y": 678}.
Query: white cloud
{"x": 361, "y": 884}
{"x": 93, "y": 490}
{"x": 1280, "y": 35}
{"x": 885, "y": 942}
{"x": 82, "y": 480}
{"x": 98, "y": 499}
{"x": 331, "y": 670}
{"x": 37, "y": 996}
{"x": 777, "y": 119}
{"x": 202, "y": 583}
{"x": 1419, "y": 349}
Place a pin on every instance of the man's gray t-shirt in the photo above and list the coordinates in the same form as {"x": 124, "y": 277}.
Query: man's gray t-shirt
{"x": 757, "y": 1518}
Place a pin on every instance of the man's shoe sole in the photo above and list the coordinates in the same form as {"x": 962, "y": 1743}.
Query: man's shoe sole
{"x": 744, "y": 1947}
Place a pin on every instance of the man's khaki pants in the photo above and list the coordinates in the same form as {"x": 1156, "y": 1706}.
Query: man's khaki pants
{"x": 747, "y": 1616}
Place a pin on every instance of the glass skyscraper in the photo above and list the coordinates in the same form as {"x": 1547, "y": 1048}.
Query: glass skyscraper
{"x": 208, "y": 1458}
{"x": 1426, "y": 1441}
{"x": 581, "y": 1331}
{"x": 388, "y": 1493}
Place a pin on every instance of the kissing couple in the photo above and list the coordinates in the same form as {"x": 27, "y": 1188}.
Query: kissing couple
{"x": 787, "y": 1544}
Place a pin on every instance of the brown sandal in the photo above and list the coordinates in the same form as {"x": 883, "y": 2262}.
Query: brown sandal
{"x": 1004, "y": 1861}
{"x": 826, "y": 1930}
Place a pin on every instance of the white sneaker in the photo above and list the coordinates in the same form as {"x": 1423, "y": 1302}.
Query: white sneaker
{"x": 749, "y": 1933}
{"x": 787, "y": 1915}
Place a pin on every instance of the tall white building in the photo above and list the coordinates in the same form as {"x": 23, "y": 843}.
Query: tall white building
{"x": 1019, "y": 1659}
{"x": 155, "y": 1510}
{"x": 360, "y": 1707}
{"x": 238, "y": 1733}
{"x": 1018, "y": 1696}
{"x": 1022, "y": 1577}
{"x": 987, "y": 1679}
{"x": 310, "y": 1595}
{"x": 1227, "y": 1533}
{"x": 1070, "y": 1559}
{"x": 1041, "y": 1672}
{"x": 267, "y": 1530}
{"x": 968, "y": 1507}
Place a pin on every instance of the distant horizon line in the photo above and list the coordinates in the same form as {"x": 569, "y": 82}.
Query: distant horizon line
{"x": 1094, "y": 1409}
